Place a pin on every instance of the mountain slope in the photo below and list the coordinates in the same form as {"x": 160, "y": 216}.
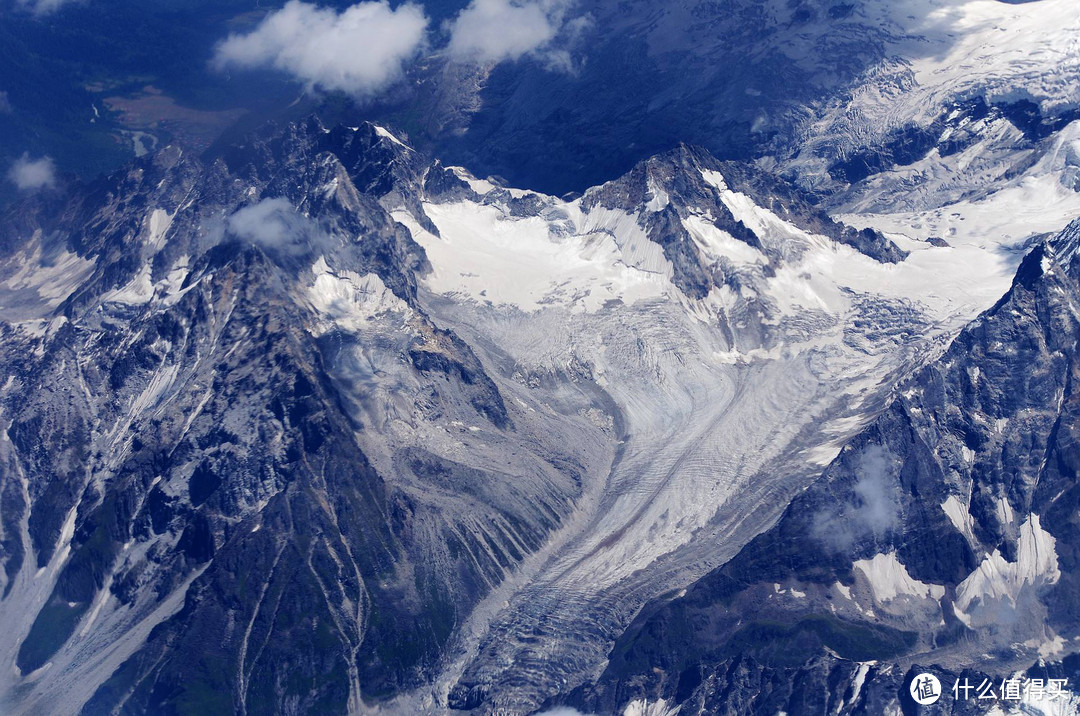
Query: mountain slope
{"x": 191, "y": 353}
{"x": 945, "y": 532}
{"x": 832, "y": 92}
{"x": 321, "y": 424}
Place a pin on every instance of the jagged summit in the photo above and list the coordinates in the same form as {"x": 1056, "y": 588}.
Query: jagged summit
{"x": 689, "y": 182}
{"x": 1065, "y": 246}
{"x": 690, "y": 176}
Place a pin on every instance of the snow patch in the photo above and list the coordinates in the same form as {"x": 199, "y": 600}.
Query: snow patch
{"x": 521, "y": 262}
{"x": 383, "y": 132}
{"x": 997, "y": 580}
{"x": 158, "y": 225}
{"x": 1048, "y": 647}
{"x": 136, "y": 292}
{"x": 159, "y": 384}
{"x": 1004, "y": 511}
{"x": 645, "y": 707}
{"x": 959, "y": 516}
{"x": 52, "y": 279}
{"x": 791, "y": 590}
{"x": 658, "y": 198}
{"x": 889, "y": 579}
{"x": 349, "y": 301}
{"x": 857, "y": 684}
{"x": 716, "y": 243}
{"x": 1003, "y": 51}
{"x": 171, "y": 288}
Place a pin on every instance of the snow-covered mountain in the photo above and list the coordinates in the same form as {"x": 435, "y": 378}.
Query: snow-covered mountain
{"x": 774, "y": 415}
{"x": 319, "y": 424}
{"x": 944, "y": 535}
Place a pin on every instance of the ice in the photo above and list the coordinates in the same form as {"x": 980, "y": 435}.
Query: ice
{"x": 857, "y": 684}
{"x": 997, "y": 580}
{"x": 383, "y": 132}
{"x": 1007, "y": 51}
{"x": 645, "y": 707}
{"x": 480, "y": 186}
{"x": 1034, "y": 702}
{"x": 158, "y": 226}
{"x": 137, "y": 292}
{"x": 170, "y": 289}
{"x": 155, "y": 390}
{"x": 889, "y": 579}
{"x": 658, "y": 196}
{"x": 594, "y": 257}
{"x": 941, "y": 51}
{"x": 929, "y": 276}
{"x": 717, "y": 243}
{"x": 706, "y": 416}
{"x": 1004, "y": 511}
{"x": 959, "y": 516}
{"x": 1036, "y": 204}
{"x": 348, "y": 300}
{"x": 46, "y": 280}
{"x": 487, "y": 256}
{"x": 635, "y": 248}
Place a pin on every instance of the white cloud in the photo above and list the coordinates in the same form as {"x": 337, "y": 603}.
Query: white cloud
{"x": 30, "y": 174}
{"x": 360, "y": 50}
{"x": 43, "y": 7}
{"x": 498, "y": 30}
{"x": 275, "y": 225}
{"x": 877, "y": 509}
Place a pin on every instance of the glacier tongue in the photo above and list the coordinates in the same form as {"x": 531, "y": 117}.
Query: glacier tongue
{"x": 727, "y": 404}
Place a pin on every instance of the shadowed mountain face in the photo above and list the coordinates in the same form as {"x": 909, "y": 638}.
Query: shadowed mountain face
{"x": 644, "y": 77}
{"x": 949, "y": 524}
{"x": 192, "y": 517}
{"x": 834, "y": 92}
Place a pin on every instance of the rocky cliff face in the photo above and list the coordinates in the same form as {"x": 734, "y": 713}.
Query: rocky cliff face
{"x": 201, "y": 361}
{"x": 945, "y": 533}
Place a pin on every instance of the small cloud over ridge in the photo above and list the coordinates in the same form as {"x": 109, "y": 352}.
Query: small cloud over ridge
{"x": 360, "y": 50}
{"x": 502, "y": 30}
{"x": 876, "y": 507}
{"x": 32, "y": 174}
{"x": 44, "y": 7}
{"x": 276, "y": 225}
